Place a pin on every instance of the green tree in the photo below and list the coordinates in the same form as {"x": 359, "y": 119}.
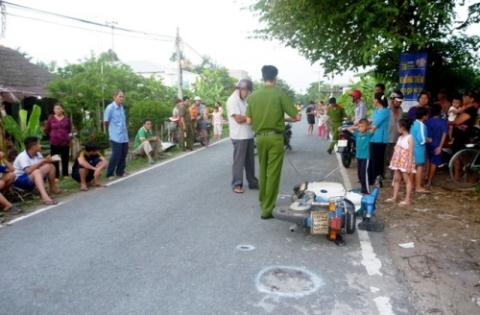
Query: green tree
{"x": 346, "y": 35}
{"x": 86, "y": 87}
{"x": 319, "y": 91}
{"x": 214, "y": 84}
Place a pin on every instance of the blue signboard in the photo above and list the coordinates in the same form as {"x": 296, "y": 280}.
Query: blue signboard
{"x": 413, "y": 70}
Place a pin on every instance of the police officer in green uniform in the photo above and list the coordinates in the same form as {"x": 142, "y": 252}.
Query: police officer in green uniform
{"x": 186, "y": 135}
{"x": 335, "y": 114}
{"x": 266, "y": 111}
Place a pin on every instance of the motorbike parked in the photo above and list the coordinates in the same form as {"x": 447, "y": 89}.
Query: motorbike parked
{"x": 287, "y": 135}
{"x": 346, "y": 144}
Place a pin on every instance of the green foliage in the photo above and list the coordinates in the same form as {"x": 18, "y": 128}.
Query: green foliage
{"x": 319, "y": 91}
{"x": 28, "y": 126}
{"x": 214, "y": 84}
{"x": 363, "y": 33}
{"x": 86, "y": 88}
{"x": 157, "y": 111}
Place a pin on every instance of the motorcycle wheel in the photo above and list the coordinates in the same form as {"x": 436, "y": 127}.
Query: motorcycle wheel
{"x": 346, "y": 158}
{"x": 350, "y": 221}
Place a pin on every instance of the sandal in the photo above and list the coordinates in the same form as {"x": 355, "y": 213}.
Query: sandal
{"x": 390, "y": 200}
{"x": 238, "y": 190}
{"x": 404, "y": 204}
{"x": 84, "y": 188}
{"x": 50, "y": 202}
{"x": 58, "y": 192}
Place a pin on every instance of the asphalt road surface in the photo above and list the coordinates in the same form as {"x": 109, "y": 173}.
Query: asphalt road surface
{"x": 167, "y": 242}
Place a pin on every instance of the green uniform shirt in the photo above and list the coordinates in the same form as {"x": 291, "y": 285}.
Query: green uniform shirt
{"x": 267, "y": 107}
{"x": 336, "y": 115}
{"x": 142, "y": 133}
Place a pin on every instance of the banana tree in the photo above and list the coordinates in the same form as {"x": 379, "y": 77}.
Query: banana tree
{"x": 26, "y": 127}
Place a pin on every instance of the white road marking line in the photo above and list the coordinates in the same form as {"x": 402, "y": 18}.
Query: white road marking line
{"x": 370, "y": 261}
{"x": 31, "y": 214}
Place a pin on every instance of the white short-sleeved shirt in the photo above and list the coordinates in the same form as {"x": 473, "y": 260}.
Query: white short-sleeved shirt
{"x": 23, "y": 160}
{"x": 237, "y": 106}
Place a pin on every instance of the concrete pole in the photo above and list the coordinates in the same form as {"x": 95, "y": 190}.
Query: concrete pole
{"x": 179, "y": 65}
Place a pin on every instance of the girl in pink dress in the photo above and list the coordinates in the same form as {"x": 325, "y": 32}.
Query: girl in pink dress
{"x": 402, "y": 162}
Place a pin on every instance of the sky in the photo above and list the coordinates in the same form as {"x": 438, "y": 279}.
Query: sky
{"x": 221, "y": 29}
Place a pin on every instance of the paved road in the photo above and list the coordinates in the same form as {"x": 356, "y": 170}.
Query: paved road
{"x": 165, "y": 242}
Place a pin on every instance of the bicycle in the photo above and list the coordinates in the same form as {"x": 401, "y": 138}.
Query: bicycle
{"x": 465, "y": 166}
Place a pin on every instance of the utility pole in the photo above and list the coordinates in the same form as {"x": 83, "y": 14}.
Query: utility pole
{"x": 112, "y": 25}
{"x": 179, "y": 65}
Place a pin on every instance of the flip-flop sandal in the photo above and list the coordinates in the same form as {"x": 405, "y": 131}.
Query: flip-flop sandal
{"x": 403, "y": 204}
{"x": 100, "y": 186}
{"x": 84, "y": 189}
{"x": 50, "y": 202}
{"x": 423, "y": 191}
{"x": 58, "y": 192}
{"x": 238, "y": 190}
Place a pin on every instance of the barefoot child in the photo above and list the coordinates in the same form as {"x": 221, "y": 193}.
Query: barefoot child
{"x": 419, "y": 135}
{"x": 402, "y": 162}
{"x": 322, "y": 123}
{"x": 362, "y": 140}
{"x": 217, "y": 120}
{"x": 88, "y": 166}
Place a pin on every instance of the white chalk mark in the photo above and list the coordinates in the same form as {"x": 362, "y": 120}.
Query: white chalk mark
{"x": 383, "y": 305}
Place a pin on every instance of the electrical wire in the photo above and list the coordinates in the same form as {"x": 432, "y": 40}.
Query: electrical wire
{"x": 84, "y": 28}
{"x": 81, "y": 20}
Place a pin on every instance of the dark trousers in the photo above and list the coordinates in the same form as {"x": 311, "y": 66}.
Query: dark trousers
{"x": 64, "y": 152}
{"x": 117, "y": 159}
{"x": 362, "y": 171}
{"x": 244, "y": 158}
{"x": 377, "y": 161}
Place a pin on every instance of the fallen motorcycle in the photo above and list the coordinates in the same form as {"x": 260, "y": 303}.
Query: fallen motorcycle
{"x": 327, "y": 208}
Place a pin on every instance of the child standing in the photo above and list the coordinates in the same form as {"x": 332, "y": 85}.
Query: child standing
{"x": 437, "y": 132}
{"x": 217, "y": 120}
{"x": 322, "y": 123}
{"x": 419, "y": 135}
{"x": 402, "y": 162}
{"x": 362, "y": 141}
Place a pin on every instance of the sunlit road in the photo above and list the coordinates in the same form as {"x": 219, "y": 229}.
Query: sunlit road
{"x": 166, "y": 242}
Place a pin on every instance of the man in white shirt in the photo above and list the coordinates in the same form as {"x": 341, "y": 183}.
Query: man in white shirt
{"x": 31, "y": 169}
{"x": 242, "y": 137}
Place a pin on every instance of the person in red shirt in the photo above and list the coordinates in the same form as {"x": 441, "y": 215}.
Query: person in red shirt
{"x": 59, "y": 131}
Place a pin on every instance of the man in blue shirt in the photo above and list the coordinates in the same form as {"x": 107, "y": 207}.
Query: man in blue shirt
{"x": 378, "y": 142}
{"x": 115, "y": 121}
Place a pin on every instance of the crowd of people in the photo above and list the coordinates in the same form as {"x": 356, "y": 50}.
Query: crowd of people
{"x": 404, "y": 146}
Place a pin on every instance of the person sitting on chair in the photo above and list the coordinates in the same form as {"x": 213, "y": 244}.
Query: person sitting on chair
{"x": 145, "y": 143}
{"x": 88, "y": 166}
{"x": 7, "y": 177}
{"x": 31, "y": 170}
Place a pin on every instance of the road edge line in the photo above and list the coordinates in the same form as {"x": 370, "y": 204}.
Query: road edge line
{"x": 370, "y": 260}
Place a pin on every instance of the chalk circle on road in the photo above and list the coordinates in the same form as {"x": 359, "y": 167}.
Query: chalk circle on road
{"x": 288, "y": 281}
{"x": 245, "y": 247}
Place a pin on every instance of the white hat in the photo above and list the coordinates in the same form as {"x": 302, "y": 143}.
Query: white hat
{"x": 197, "y": 98}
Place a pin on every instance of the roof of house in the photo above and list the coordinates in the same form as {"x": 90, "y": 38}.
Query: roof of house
{"x": 20, "y": 76}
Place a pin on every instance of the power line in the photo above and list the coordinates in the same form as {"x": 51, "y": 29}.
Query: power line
{"x": 84, "y": 28}
{"x": 81, "y": 20}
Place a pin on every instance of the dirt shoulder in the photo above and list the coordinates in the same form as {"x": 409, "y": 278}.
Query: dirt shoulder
{"x": 442, "y": 270}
